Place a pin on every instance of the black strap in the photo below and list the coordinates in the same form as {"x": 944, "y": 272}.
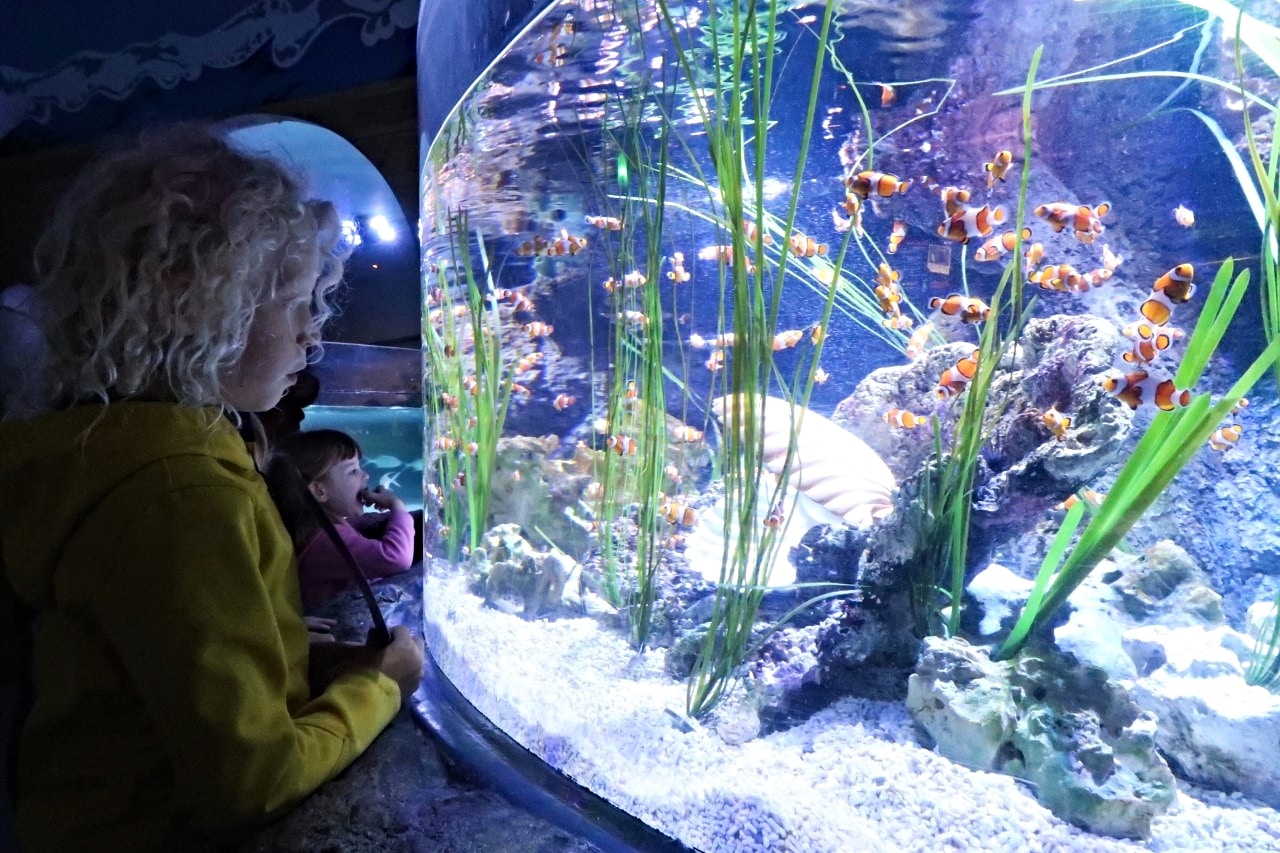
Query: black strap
{"x": 380, "y": 632}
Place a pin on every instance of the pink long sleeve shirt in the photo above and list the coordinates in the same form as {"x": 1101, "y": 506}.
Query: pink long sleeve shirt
{"x": 323, "y": 572}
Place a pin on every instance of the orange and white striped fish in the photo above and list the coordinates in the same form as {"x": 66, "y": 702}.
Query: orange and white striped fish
{"x": 538, "y": 329}
{"x": 751, "y": 231}
{"x": 896, "y": 235}
{"x": 919, "y": 341}
{"x": 787, "y": 339}
{"x": 1149, "y": 341}
{"x": 1057, "y": 422}
{"x": 1001, "y": 245}
{"x": 820, "y": 376}
{"x": 687, "y": 434}
{"x": 1110, "y": 259}
{"x": 677, "y": 513}
{"x": 897, "y": 320}
{"x": 1241, "y": 406}
{"x": 1178, "y": 283}
{"x": 678, "y": 274}
{"x": 903, "y": 419}
{"x": 956, "y": 378}
{"x": 1091, "y": 498}
{"x": 971, "y": 222}
{"x": 1138, "y": 387}
{"x": 1225, "y": 437}
{"x": 997, "y": 168}
{"x": 953, "y": 198}
{"x": 806, "y": 247}
{"x": 605, "y": 223}
{"x": 563, "y": 401}
{"x": 621, "y": 445}
{"x": 775, "y": 518}
{"x": 1063, "y": 278}
{"x": 1034, "y": 255}
{"x": 882, "y": 184}
{"x": 969, "y": 309}
{"x": 1084, "y": 220}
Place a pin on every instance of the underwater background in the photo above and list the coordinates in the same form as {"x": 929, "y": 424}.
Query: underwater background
{"x": 852, "y": 426}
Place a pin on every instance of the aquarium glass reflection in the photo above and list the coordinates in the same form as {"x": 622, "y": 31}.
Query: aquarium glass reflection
{"x": 836, "y": 416}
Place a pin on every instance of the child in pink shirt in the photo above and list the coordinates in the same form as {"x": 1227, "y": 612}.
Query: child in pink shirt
{"x": 381, "y": 542}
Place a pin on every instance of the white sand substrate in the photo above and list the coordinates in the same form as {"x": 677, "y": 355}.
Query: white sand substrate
{"x": 851, "y": 778}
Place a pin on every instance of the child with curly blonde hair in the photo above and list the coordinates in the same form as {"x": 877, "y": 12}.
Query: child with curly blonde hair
{"x": 183, "y": 280}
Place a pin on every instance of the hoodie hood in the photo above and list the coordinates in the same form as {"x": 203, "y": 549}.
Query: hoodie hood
{"x": 55, "y": 469}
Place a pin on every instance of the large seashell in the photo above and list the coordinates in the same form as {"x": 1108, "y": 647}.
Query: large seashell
{"x": 831, "y": 466}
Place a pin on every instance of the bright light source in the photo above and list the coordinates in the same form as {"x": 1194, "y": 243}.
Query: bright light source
{"x": 382, "y": 227}
{"x": 350, "y": 233}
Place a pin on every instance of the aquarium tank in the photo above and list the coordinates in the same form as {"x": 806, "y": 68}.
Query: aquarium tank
{"x": 853, "y": 425}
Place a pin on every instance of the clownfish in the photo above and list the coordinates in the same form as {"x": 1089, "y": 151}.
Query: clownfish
{"x": 902, "y": 418}
{"x": 969, "y": 309}
{"x": 970, "y": 222}
{"x": 888, "y": 96}
{"x": 806, "y": 247}
{"x": 897, "y": 320}
{"x": 1084, "y": 220}
{"x": 621, "y": 445}
{"x": 1184, "y": 216}
{"x": 1157, "y": 308}
{"x": 896, "y": 235}
{"x": 677, "y": 513}
{"x": 687, "y": 434}
{"x": 886, "y": 275}
{"x": 820, "y": 376}
{"x": 817, "y": 333}
{"x": 538, "y": 329}
{"x": 1241, "y": 406}
{"x": 998, "y": 166}
{"x": 605, "y": 223}
{"x": 750, "y": 231}
{"x": 565, "y": 244}
{"x": 1225, "y": 438}
{"x": 1138, "y": 387}
{"x": 536, "y": 246}
{"x": 1148, "y": 341}
{"x": 678, "y": 274}
{"x": 1091, "y": 498}
{"x": 1001, "y": 245}
{"x": 919, "y": 341}
{"x": 1177, "y": 284}
{"x": 953, "y": 198}
{"x": 775, "y": 517}
{"x": 787, "y": 339}
{"x": 956, "y": 378}
{"x": 1110, "y": 259}
{"x": 563, "y": 401}
{"x": 1034, "y": 255}
{"x": 1059, "y": 277}
{"x": 1057, "y": 422}
{"x": 882, "y": 184}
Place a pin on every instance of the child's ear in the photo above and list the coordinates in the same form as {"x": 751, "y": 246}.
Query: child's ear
{"x": 317, "y": 490}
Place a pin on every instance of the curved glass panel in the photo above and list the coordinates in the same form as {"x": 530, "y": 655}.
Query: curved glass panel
{"x": 773, "y": 353}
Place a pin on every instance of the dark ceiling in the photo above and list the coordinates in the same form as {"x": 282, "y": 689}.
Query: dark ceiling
{"x": 74, "y": 74}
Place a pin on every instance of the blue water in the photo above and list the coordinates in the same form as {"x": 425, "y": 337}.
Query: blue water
{"x": 390, "y": 439}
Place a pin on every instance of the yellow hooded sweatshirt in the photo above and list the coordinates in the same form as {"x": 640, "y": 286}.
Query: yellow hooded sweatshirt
{"x": 172, "y": 710}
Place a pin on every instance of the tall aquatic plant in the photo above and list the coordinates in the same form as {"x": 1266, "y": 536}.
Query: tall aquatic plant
{"x": 472, "y": 382}
{"x": 1166, "y": 447}
{"x": 947, "y": 495}
{"x": 742, "y": 45}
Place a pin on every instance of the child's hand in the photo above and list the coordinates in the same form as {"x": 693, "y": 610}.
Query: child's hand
{"x": 320, "y": 629}
{"x": 382, "y": 498}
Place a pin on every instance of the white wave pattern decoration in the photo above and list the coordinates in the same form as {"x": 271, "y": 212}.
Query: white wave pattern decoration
{"x": 831, "y": 466}
{"x": 173, "y": 59}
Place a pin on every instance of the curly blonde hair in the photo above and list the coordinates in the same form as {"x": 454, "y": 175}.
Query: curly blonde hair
{"x": 158, "y": 258}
